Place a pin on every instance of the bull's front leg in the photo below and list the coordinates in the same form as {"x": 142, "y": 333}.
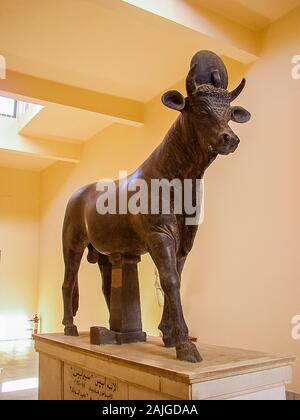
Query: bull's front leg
{"x": 166, "y": 326}
{"x": 163, "y": 252}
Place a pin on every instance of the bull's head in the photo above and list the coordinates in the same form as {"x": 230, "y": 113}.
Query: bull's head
{"x": 208, "y": 103}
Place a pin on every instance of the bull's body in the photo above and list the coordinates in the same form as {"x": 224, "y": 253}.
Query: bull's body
{"x": 126, "y": 234}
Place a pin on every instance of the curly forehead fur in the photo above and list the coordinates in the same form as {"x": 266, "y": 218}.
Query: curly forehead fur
{"x": 215, "y": 99}
{"x": 210, "y": 91}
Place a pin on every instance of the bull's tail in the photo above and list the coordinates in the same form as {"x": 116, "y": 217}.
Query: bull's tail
{"x": 75, "y": 298}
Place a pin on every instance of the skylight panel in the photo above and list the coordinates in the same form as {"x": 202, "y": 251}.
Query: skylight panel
{"x": 8, "y": 107}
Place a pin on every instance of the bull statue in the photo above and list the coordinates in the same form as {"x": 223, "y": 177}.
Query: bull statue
{"x": 200, "y": 133}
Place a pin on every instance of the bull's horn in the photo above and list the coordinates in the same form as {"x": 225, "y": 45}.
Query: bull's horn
{"x": 237, "y": 91}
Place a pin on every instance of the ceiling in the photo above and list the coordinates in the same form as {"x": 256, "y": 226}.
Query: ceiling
{"x": 96, "y": 45}
{"x": 23, "y": 161}
{"x": 92, "y": 45}
{"x": 253, "y": 14}
{"x": 63, "y": 123}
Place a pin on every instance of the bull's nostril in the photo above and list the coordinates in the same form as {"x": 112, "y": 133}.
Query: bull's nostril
{"x": 226, "y": 138}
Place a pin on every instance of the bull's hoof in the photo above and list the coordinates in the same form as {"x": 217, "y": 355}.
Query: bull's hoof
{"x": 71, "y": 330}
{"x": 188, "y": 352}
{"x": 169, "y": 341}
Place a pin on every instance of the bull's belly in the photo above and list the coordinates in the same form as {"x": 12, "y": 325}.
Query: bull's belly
{"x": 114, "y": 234}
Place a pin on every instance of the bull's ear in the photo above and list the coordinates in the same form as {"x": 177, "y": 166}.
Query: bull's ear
{"x": 239, "y": 114}
{"x": 174, "y": 100}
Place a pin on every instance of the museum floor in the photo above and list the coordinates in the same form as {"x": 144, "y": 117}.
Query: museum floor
{"x": 19, "y": 370}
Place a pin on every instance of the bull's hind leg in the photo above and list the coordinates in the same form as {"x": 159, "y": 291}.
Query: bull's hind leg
{"x": 75, "y": 297}
{"x": 70, "y": 290}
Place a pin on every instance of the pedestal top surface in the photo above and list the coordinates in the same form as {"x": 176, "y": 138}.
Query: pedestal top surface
{"x": 152, "y": 356}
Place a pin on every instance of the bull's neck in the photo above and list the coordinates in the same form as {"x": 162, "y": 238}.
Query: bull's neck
{"x": 182, "y": 154}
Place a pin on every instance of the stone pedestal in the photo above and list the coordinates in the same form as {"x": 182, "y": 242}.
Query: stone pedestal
{"x": 125, "y": 309}
{"x": 71, "y": 369}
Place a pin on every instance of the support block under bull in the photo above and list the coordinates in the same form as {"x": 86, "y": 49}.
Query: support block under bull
{"x": 125, "y": 309}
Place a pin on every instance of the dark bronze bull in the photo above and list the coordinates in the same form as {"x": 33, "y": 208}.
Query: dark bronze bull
{"x": 199, "y": 134}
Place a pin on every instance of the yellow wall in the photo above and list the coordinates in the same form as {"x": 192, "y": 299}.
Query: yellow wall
{"x": 19, "y": 236}
{"x": 244, "y": 268}
{"x": 241, "y": 283}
